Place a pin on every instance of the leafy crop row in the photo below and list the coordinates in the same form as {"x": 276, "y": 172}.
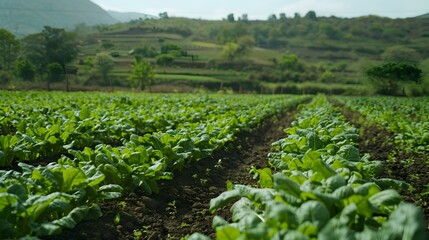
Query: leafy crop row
{"x": 407, "y": 118}
{"x": 41, "y": 200}
{"x": 37, "y": 126}
{"x": 322, "y": 188}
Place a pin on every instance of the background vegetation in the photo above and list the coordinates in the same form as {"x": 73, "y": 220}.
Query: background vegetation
{"x": 299, "y": 54}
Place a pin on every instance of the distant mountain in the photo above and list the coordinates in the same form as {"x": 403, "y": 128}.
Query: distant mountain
{"x": 23, "y": 17}
{"x": 423, "y": 16}
{"x": 129, "y": 16}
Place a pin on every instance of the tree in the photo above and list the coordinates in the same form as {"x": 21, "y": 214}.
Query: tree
{"x": 9, "y": 48}
{"x": 311, "y": 15}
{"x": 246, "y": 44}
{"x": 282, "y": 16}
{"x": 25, "y": 70}
{"x": 401, "y": 54}
{"x": 55, "y": 73}
{"x": 387, "y": 78}
{"x": 145, "y": 51}
{"x": 164, "y": 59}
{"x": 50, "y": 46}
{"x": 163, "y": 15}
{"x": 142, "y": 74}
{"x": 167, "y": 48}
{"x": 242, "y": 47}
{"x": 104, "y": 65}
{"x": 291, "y": 62}
{"x": 230, "y": 51}
{"x": 272, "y": 17}
{"x": 230, "y": 17}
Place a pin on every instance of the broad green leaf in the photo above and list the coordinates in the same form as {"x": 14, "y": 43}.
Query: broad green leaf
{"x": 391, "y": 183}
{"x": 315, "y": 212}
{"x": 295, "y": 235}
{"x": 281, "y": 216}
{"x": 223, "y": 199}
{"x": 38, "y": 204}
{"x": 72, "y": 178}
{"x": 335, "y": 229}
{"x": 343, "y": 192}
{"x": 84, "y": 113}
{"x": 18, "y": 190}
{"x": 406, "y": 222}
{"x": 218, "y": 222}
{"x": 318, "y": 165}
{"x": 313, "y": 141}
{"x": 283, "y": 183}
{"x": 367, "y": 189}
{"x": 7, "y": 199}
{"x": 111, "y": 191}
{"x": 386, "y": 199}
{"x": 46, "y": 229}
{"x": 335, "y": 182}
{"x": 265, "y": 178}
{"x": 198, "y": 236}
{"x": 244, "y": 213}
{"x": 350, "y": 153}
{"x": 227, "y": 233}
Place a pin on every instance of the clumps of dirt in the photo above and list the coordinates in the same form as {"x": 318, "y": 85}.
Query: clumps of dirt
{"x": 399, "y": 164}
{"x": 182, "y": 205}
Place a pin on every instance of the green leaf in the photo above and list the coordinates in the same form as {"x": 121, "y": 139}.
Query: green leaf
{"x": 73, "y": 178}
{"x": 406, "y": 222}
{"x": 198, "y": 236}
{"x": 385, "y": 199}
{"x": 295, "y": 235}
{"x": 283, "y": 183}
{"x": 227, "y": 233}
{"x": 84, "y": 113}
{"x": 75, "y": 216}
{"x": 265, "y": 178}
{"x": 38, "y": 204}
{"x": 313, "y": 141}
{"x": 335, "y": 229}
{"x": 281, "y": 216}
{"x": 111, "y": 191}
{"x": 18, "y": 190}
{"x": 343, "y": 192}
{"x": 315, "y": 212}
{"x": 244, "y": 213}
{"x": 218, "y": 221}
{"x": 223, "y": 199}
{"x": 335, "y": 182}
{"x": 350, "y": 153}
{"x": 7, "y": 199}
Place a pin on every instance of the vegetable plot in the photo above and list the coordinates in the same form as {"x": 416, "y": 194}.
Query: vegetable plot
{"x": 319, "y": 186}
{"x": 113, "y": 145}
{"x": 407, "y": 118}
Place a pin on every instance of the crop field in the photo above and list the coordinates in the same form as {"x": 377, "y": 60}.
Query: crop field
{"x": 204, "y": 166}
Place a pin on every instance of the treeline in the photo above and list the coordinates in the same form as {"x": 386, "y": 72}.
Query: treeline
{"x": 312, "y": 49}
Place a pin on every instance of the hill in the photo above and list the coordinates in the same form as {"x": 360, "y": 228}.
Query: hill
{"x": 129, "y": 16}
{"x": 23, "y": 17}
{"x": 424, "y": 16}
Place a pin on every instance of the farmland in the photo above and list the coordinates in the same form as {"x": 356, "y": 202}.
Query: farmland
{"x": 157, "y": 166}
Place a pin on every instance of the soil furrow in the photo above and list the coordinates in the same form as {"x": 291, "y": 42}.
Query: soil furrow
{"x": 181, "y": 207}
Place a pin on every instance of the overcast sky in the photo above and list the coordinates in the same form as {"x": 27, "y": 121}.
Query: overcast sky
{"x": 261, "y": 9}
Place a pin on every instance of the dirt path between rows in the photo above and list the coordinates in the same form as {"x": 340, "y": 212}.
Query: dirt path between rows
{"x": 181, "y": 207}
{"x": 412, "y": 168}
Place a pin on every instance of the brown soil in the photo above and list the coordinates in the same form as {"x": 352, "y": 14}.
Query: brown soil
{"x": 181, "y": 207}
{"x": 399, "y": 164}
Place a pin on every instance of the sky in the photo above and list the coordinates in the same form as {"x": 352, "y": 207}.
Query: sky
{"x": 261, "y": 9}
